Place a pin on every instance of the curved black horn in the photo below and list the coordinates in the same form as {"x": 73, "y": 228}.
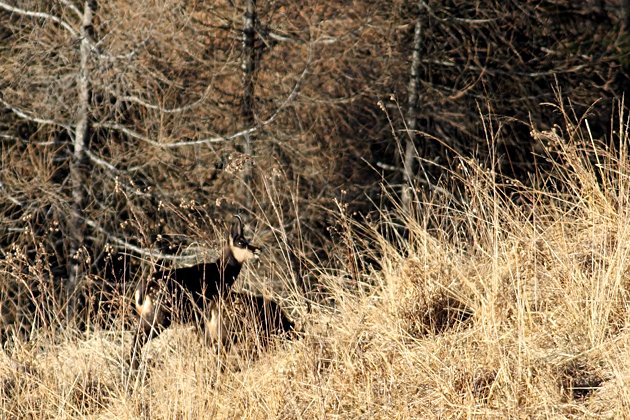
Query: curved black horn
{"x": 237, "y": 228}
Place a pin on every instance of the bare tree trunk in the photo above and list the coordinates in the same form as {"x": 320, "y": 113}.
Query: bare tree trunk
{"x": 249, "y": 67}
{"x": 412, "y": 110}
{"x": 79, "y": 163}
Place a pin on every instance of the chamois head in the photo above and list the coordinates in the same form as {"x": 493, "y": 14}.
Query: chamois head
{"x": 239, "y": 246}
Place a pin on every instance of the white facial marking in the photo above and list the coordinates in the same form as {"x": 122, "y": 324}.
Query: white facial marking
{"x": 241, "y": 255}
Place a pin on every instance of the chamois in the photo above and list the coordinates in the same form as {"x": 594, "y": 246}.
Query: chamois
{"x": 238, "y": 313}
{"x": 183, "y": 294}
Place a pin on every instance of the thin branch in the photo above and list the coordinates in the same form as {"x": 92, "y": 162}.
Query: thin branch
{"x": 93, "y": 46}
{"x": 142, "y": 102}
{"x": 104, "y": 164}
{"x": 293, "y": 94}
{"x": 72, "y": 7}
{"x": 389, "y": 167}
{"x": 152, "y": 253}
{"x": 21, "y": 140}
{"x": 9, "y": 196}
{"x": 24, "y": 115}
{"x": 40, "y": 15}
{"x": 276, "y": 36}
{"x": 210, "y": 140}
{"x": 126, "y": 56}
{"x": 101, "y": 162}
{"x": 265, "y": 31}
{"x": 136, "y": 135}
{"x": 9, "y": 137}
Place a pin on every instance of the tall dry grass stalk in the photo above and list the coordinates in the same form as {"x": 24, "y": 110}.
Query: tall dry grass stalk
{"x": 499, "y": 300}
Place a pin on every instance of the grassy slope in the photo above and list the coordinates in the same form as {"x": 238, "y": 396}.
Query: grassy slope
{"x": 485, "y": 308}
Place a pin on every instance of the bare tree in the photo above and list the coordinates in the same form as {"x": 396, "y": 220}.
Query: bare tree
{"x": 413, "y": 99}
{"x": 80, "y": 164}
{"x": 77, "y": 126}
{"x": 247, "y": 106}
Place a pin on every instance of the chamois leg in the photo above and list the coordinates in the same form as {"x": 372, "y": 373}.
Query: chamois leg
{"x": 139, "y": 339}
{"x": 144, "y": 333}
{"x": 214, "y": 329}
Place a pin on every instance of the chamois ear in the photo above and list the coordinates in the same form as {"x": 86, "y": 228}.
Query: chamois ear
{"x": 237, "y": 227}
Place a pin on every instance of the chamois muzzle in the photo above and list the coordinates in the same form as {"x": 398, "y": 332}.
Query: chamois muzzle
{"x": 256, "y": 250}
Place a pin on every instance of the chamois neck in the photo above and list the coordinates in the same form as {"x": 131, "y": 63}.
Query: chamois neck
{"x": 227, "y": 258}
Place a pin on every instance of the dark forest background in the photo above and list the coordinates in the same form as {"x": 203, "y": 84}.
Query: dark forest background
{"x": 131, "y": 132}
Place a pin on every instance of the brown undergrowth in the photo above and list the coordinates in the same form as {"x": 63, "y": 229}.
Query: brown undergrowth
{"x": 505, "y": 301}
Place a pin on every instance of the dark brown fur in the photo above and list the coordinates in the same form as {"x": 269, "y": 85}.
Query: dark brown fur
{"x": 238, "y": 313}
{"x": 181, "y": 295}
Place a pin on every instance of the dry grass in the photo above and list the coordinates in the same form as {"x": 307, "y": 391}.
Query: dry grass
{"x": 507, "y": 301}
